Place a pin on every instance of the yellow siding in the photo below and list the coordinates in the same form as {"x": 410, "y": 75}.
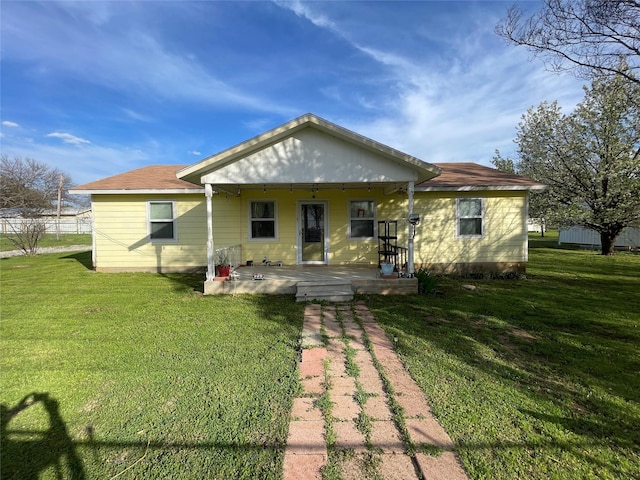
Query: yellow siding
{"x": 121, "y": 237}
{"x": 504, "y": 229}
{"x": 122, "y": 242}
{"x": 341, "y": 249}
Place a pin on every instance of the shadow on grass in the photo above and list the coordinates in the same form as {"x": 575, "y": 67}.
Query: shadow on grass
{"x": 186, "y": 281}
{"x": 83, "y": 258}
{"x": 29, "y": 454}
{"x": 182, "y": 281}
{"x": 565, "y": 341}
{"x": 564, "y": 376}
{"x": 25, "y": 455}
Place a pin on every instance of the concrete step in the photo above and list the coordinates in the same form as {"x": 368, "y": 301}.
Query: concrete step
{"x": 313, "y": 284}
{"x": 327, "y": 297}
{"x": 327, "y": 290}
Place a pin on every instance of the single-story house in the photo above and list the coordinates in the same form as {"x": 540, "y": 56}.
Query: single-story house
{"x": 310, "y": 192}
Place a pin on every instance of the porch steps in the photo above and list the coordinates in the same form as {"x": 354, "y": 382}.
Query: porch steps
{"x": 327, "y": 290}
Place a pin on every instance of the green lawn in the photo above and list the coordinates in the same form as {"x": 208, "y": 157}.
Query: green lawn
{"x": 535, "y": 378}
{"x": 122, "y": 367}
{"x": 49, "y": 240}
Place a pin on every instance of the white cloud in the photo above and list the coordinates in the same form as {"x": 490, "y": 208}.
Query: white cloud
{"x": 86, "y": 164}
{"x": 68, "y": 138}
{"x": 7, "y": 123}
{"x": 194, "y": 152}
{"x": 136, "y": 116}
{"x": 120, "y": 54}
{"x": 302, "y": 10}
{"x": 458, "y": 102}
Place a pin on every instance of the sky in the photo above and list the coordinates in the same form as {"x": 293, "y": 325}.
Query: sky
{"x": 99, "y": 88}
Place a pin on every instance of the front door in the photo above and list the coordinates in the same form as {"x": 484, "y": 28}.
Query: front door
{"x": 312, "y": 233}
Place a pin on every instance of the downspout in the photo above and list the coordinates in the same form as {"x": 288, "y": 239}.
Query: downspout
{"x": 410, "y": 264}
{"x": 211, "y": 268}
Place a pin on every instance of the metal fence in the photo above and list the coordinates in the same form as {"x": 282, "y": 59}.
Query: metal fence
{"x": 66, "y": 226}
{"x": 629, "y": 238}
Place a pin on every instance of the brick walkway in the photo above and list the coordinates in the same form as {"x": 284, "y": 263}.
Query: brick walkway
{"x": 344, "y": 420}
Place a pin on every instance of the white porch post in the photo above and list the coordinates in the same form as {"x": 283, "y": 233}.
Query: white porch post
{"x": 410, "y": 269}
{"x": 211, "y": 268}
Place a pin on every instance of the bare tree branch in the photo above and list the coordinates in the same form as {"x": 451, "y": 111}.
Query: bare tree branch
{"x": 588, "y": 37}
{"x": 28, "y": 188}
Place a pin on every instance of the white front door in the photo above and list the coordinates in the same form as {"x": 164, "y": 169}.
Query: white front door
{"x": 313, "y": 242}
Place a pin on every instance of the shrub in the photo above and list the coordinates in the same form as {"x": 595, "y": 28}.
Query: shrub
{"x": 427, "y": 282}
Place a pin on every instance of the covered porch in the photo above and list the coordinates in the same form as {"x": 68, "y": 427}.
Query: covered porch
{"x": 311, "y": 193}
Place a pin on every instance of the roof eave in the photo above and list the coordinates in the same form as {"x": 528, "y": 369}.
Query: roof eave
{"x": 134, "y": 191}
{"x": 477, "y": 188}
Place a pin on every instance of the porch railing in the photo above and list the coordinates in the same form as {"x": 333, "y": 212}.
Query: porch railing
{"x": 402, "y": 258}
{"x": 231, "y": 256}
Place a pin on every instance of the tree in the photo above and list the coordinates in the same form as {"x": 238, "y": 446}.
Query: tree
{"x": 503, "y": 164}
{"x": 540, "y": 207}
{"x": 590, "y": 158}
{"x": 589, "y": 37}
{"x": 28, "y": 188}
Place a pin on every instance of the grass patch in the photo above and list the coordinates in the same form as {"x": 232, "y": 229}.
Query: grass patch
{"x": 102, "y": 370}
{"x": 49, "y": 240}
{"x": 350, "y": 365}
{"x": 535, "y": 378}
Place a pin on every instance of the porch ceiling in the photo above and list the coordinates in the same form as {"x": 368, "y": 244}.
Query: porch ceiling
{"x": 386, "y": 187}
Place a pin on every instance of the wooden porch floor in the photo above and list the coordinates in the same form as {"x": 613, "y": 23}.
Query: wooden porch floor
{"x": 284, "y": 280}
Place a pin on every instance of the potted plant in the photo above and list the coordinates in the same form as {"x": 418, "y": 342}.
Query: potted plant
{"x": 222, "y": 262}
{"x": 387, "y": 269}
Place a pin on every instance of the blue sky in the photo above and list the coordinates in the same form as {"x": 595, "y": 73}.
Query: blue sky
{"x": 99, "y": 88}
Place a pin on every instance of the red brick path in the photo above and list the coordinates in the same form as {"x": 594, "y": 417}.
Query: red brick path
{"x": 381, "y": 446}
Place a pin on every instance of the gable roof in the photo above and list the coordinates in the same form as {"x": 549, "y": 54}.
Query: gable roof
{"x": 275, "y": 150}
{"x": 468, "y": 176}
{"x": 151, "y": 179}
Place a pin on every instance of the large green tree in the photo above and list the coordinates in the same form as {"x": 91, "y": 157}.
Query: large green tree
{"x": 590, "y": 158}
{"x": 540, "y": 205}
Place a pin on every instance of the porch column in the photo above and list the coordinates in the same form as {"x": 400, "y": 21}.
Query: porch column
{"x": 211, "y": 268}
{"x": 410, "y": 269}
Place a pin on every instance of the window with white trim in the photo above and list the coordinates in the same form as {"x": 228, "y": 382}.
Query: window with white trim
{"x": 162, "y": 220}
{"x": 470, "y": 217}
{"x": 362, "y": 216}
{"x": 262, "y": 220}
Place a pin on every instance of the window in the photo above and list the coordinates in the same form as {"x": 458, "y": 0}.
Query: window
{"x": 470, "y": 217}
{"x": 263, "y": 219}
{"x": 361, "y": 219}
{"x": 162, "y": 222}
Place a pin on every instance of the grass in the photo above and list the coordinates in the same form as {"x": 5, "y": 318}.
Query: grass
{"x": 106, "y": 373}
{"x": 535, "y": 378}
{"x": 49, "y": 240}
